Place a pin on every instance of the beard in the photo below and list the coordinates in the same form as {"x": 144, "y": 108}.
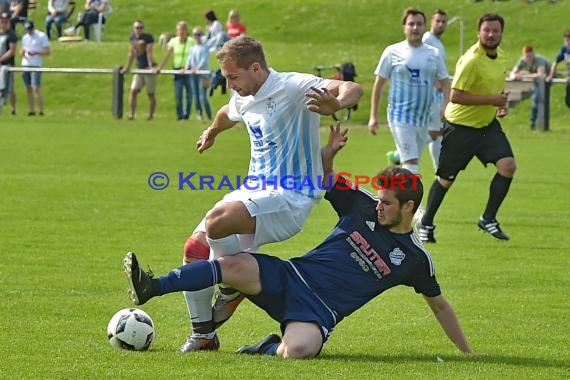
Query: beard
{"x": 392, "y": 223}
{"x": 490, "y": 45}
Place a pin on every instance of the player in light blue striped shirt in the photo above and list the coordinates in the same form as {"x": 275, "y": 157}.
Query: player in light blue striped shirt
{"x": 281, "y": 112}
{"x": 413, "y": 69}
{"x": 433, "y": 38}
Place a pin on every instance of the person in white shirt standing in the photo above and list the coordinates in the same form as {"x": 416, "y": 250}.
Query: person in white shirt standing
{"x": 413, "y": 68}
{"x": 35, "y": 45}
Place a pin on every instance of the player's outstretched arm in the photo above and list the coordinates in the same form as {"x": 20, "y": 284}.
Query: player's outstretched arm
{"x": 448, "y": 320}
{"x": 337, "y": 141}
{"x": 338, "y": 95}
{"x": 221, "y": 123}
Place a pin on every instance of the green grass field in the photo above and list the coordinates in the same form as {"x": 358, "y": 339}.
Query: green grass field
{"x": 74, "y": 197}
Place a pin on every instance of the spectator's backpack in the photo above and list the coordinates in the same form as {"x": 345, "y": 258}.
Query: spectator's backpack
{"x": 348, "y": 73}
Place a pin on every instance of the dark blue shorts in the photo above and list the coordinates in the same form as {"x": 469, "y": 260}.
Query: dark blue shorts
{"x": 285, "y": 296}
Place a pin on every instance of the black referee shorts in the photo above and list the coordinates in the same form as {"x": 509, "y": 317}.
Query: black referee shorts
{"x": 460, "y": 144}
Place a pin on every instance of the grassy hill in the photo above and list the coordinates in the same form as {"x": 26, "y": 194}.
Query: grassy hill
{"x": 296, "y": 35}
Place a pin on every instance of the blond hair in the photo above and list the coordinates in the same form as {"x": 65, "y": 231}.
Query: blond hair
{"x": 244, "y": 51}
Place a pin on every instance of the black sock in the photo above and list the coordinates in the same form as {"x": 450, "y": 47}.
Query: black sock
{"x": 497, "y": 192}
{"x": 203, "y": 327}
{"x": 435, "y": 197}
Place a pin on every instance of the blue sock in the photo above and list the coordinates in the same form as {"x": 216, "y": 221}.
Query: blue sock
{"x": 194, "y": 276}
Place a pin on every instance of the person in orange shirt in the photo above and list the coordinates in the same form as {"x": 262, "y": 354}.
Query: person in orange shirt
{"x": 234, "y": 27}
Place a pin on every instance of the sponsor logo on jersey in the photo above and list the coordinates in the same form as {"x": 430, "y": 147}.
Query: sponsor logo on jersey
{"x": 370, "y": 225}
{"x": 368, "y": 254}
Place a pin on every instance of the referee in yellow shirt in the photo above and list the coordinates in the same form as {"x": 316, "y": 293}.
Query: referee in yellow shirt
{"x": 472, "y": 130}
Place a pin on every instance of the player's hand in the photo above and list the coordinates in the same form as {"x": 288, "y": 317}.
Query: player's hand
{"x": 321, "y": 101}
{"x": 373, "y": 125}
{"x": 337, "y": 137}
{"x": 501, "y": 100}
{"x": 502, "y": 111}
{"x": 206, "y": 140}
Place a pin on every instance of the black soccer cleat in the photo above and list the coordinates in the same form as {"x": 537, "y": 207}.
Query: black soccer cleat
{"x": 492, "y": 226}
{"x": 141, "y": 287}
{"x": 426, "y": 233}
{"x": 260, "y": 347}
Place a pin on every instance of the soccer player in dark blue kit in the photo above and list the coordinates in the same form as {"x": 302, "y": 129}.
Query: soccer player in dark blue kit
{"x": 371, "y": 249}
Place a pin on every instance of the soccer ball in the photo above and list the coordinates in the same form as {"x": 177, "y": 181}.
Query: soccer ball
{"x": 131, "y": 329}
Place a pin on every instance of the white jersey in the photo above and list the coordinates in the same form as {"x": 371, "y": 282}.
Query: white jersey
{"x": 35, "y": 43}
{"x": 284, "y": 134}
{"x": 432, "y": 40}
{"x": 412, "y": 72}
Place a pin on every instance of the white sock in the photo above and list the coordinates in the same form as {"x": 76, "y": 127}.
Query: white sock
{"x": 434, "y": 150}
{"x": 225, "y": 246}
{"x": 199, "y": 304}
{"x": 414, "y": 168}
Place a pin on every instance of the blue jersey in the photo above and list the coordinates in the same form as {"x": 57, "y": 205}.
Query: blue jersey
{"x": 564, "y": 55}
{"x": 361, "y": 259}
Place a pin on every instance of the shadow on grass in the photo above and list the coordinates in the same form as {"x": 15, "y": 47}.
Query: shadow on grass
{"x": 518, "y": 361}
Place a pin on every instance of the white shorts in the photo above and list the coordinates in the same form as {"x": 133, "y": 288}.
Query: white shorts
{"x": 435, "y": 122}
{"x": 410, "y": 141}
{"x": 279, "y": 214}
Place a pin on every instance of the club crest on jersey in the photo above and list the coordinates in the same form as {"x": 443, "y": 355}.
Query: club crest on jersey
{"x": 397, "y": 256}
{"x": 270, "y": 105}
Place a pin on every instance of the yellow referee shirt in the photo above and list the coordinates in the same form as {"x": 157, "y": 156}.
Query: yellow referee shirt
{"x": 478, "y": 74}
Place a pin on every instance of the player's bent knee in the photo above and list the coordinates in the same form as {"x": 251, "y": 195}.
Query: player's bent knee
{"x": 216, "y": 222}
{"x": 507, "y": 166}
{"x": 241, "y": 271}
{"x": 196, "y": 248}
{"x": 300, "y": 350}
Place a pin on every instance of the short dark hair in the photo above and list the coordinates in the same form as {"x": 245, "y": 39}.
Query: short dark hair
{"x": 409, "y": 187}
{"x": 210, "y": 15}
{"x": 413, "y": 12}
{"x": 491, "y": 17}
{"x": 567, "y": 34}
{"x": 440, "y": 12}
{"x": 244, "y": 51}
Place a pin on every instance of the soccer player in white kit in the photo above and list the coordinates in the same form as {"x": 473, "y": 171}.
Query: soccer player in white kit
{"x": 413, "y": 68}
{"x": 433, "y": 38}
{"x": 281, "y": 113}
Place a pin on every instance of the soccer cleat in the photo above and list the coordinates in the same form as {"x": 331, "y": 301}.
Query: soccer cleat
{"x": 426, "y": 233}
{"x": 259, "y": 348}
{"x": 418, "y": 216}
{"x": 393, "y": 157}
{"x": 222, "y": 309}
{"x": 140, "y": 282}
{"x": 200, "y": 343}
{"x": 492, "y": 227}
